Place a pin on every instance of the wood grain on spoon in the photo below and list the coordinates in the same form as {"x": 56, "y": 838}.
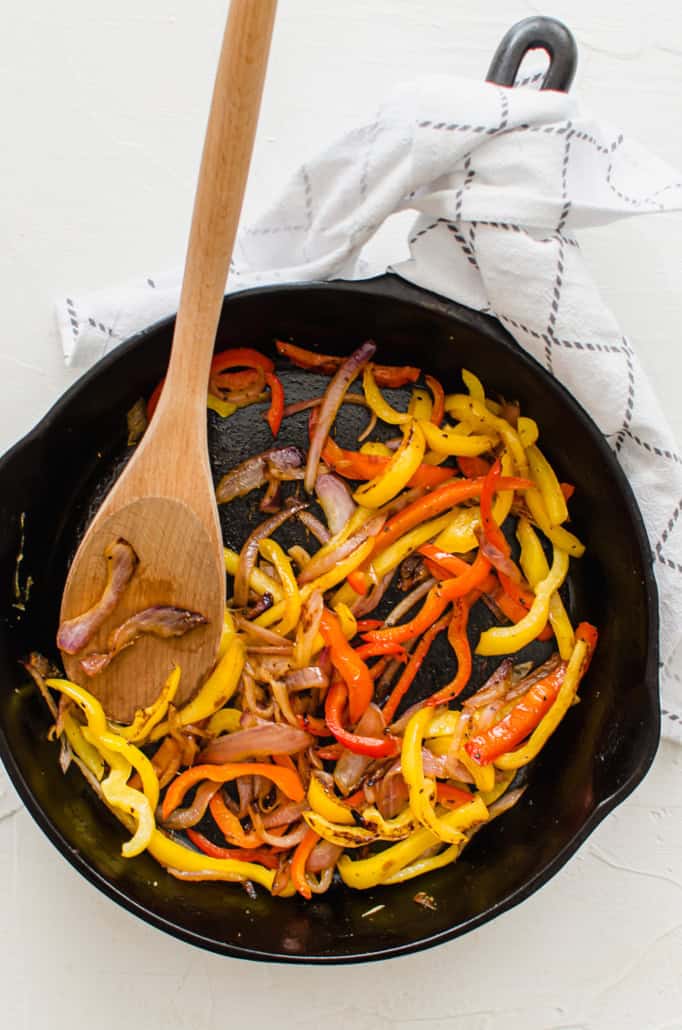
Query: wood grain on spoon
{"x": 164, "y": 504}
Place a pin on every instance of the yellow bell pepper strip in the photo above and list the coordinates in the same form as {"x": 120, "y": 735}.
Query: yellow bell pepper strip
{"x": 468, "y": 409}
{"x": 558, "y": 535}
{"x": 325, "y": 804}
{"x": 444, "y": 722}
{"x": 376, "y": 747}
{"x": 221, "y": 407}
{"x": 174, "y": 856}
{"x": 398, "y": 472}
{"x": 349, "y": 666}
{"x": 446, "y": 440}
{"x": 288, "y": 781}
{"x": 94, "y": 713}
{"x": 87, "y": 752}
{"x": 509, "y": 639}
{"x": 422, "y": 790}
{"x": 146, "y": 719}
{"x": 535, "y": 568}
{"x": 354, "y": 465}
{"x": 227, "y": 634}
{"x": 427, "y": 865}
{"x": 586, "y": 641}
{"x": 339, "y": 572}
{"x": 519, "y": 721}
{"x": 111, "y": 742}
{"x": 273, "y": 553}
{"x": 298, "y": 864}
{"x": 227, "y": 720}
{"x": 216, "y": 691}
{"x": 421, "y": 405}
{"x": 373, "y": 447}
{"x": 548, "y": 485}
{"x": 438, "y": 392}
{"x": 258, "y": 581}
{"x": 350, "y": 835}
{"x": 131, "y": 802}
{"x": 484, "y": 775}
{"x": 348, "y": 622}
{"x": 473, "y": 385}
{"x": 460, "y": 536}
{"x": 528, "y": 431}
{"x": 503, "y": 781}
{"x": 378, "y": 404}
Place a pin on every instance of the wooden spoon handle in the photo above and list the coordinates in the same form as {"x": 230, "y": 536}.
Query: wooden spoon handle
{"x": 217, "y": 205}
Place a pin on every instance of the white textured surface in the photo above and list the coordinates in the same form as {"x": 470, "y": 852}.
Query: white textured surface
{"x": 102, "y": 137}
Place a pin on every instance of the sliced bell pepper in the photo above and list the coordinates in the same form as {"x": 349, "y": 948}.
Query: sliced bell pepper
{"x": 413, "y": 666}
{"x": 328, "y": 364}
{"x": 446, "y": 440}
{"x": 354, "y": 465}
{"x": 473, "y": 468}
{"x": 378, "y": 404}
{"x": 298, "y": 864}
{"x": 289, "y": 783}
{"x": 262, "y": 855}
{"x": 273, "y": 553}
{"x": 326, "y": 804}
{"x": 349, "y": 665}
{"x": 376, "y": 747}
{"x": 276, "y": 409}
{"x": 459, "y": 641}
{"x": 438, "y": 392}
{"x": 398, "y": 472}
{"x": 548, "y": 485}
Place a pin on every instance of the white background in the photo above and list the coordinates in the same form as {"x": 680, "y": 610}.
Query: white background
{"x": 103, "y": 110}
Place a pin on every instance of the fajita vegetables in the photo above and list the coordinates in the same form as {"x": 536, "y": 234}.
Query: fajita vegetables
{"x": 311, "y": 752}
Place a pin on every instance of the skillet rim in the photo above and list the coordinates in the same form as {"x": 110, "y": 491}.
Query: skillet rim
{"x": 387, "y": 286}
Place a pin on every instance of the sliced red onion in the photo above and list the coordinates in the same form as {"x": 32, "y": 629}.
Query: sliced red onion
{"x": 499, "y": 560}
{"x": 323, "y": 856}
{"x": 161, "y": 621}
{"x": 39, "y": 669}
{"x": 408, "y": 602}
{"x": 247, "y": 792}
{"x": 284, "y": 814}
{"x": 369, "y": 428}
{"x": 313, "y": 524}
{"x": 298, "y": 406}
{"x": 261, "y": 633}
{"x": 507, "y": 801}
{"x": 335, "y": 500}
{"x": 322, "y": 885}
{"x": 321, "y": 563}
{"x": 271, "y": 501}
{"x": 270, "y": 649}
{"x": 524, "y": 684}
{"x": 258, "y": 742}
{"x": 286, "y": 840}
{"x": 279, "y": 462}
{"x": 249, "y": 552}
{"x": 333, "y": 397}
{"x": 281, "y": 696}
{"x": 364, "y": 605}
{"x": 494, "y": 687}
{"x": 350, "y": 767}
{"x": 74, "y": 634}
{"x": 184, "y": 818}
{"x": 308, "y": 626}
{"x": 307, "y": 678}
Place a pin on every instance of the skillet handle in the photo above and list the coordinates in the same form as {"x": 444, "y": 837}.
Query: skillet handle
{"x": 531, "y": 34}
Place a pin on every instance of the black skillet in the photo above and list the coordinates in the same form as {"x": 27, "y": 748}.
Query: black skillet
{"x": 599, "y": 754}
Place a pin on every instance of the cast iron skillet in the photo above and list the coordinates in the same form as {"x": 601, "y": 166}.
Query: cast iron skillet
{"x": 599, "y": 754}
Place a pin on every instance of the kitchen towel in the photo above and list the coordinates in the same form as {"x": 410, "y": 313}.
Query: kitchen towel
{"x": 500, "y": 179}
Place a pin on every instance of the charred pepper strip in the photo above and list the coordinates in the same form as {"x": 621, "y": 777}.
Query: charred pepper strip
{"x": 376, "y": 747}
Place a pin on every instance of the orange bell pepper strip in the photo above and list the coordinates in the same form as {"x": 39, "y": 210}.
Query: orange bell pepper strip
{"x": 438, "y": 392}
{"x": 457, "y": 636}
{"x": 276, "y": 409}
{"x": 298, "y": 864}
{"x": 236, "y": 357}
{"x": 450, "y": 796}
{"x": 380, "y": 647}
{"x": 451, "y": 564}
{"x": 154, "y": 399}
{"x": 349, "y": 665}
{"x": 355, "y": 465}
{"x": 376, "y": 747}
{"x": 518, "y": 723}
{"x": 239, "y": 380}
{"x": 437, "y": 600}
{"x": 289, "y": 783}
{"x": 473, "y": 468}
{"x": 358, "y": 580}
{"x": 266, "y": 857}
{"x": 412, "y": 668}
{"x": 446, "y": 496}
{"x": 230, "y": 826}
{"x": 328, "y": 364}
{"x": 311, "y": 724}
{"x": 364, "y": 625}
{"x": 567, "y": 490}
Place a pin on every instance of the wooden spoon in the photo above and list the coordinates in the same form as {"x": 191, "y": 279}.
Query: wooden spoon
{"x": 163, "y": 504}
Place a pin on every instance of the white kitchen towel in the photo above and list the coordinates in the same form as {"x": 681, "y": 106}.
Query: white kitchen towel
{"x": 500, "y": 179}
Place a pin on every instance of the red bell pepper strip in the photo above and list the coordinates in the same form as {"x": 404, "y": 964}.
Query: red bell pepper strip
{"x": 446, "y": 496}
{"x": 375, "y": 747}
{"x": 330, "y": 753}
{"x": 492, "y": 531}
{"x": 450, "y": 796}
{"x": 450, "y": 563}
{"x": 364, "y": 625}
{"x": 355, "y": 800}
{"x": 240, "y": 380}
{"x": 237, "y": 357}
{"x": 154, "y": 399}
{"x": 412, "y": 668}
{"x": 381, "y": 647}
{"x": 262, "y": 855}
{"x": 567, "y": 490}
{"x": 348, "y": 664}
{"x": 438, "y": 399}
{"x": 437, "y": 600}
{"x": 311, "y": 724}
{"x": 328, "y": 364}
{"x": 276, "y": 409}
{"x": 354, "y": 465}
{"x": 457, "y": 636}
{"x": 587, "y": 632}
{"x": 298, "y": 864}
{"x": 289, "y": 783}
{"x": 518, "y": 723}
{"x": 473, "y": 468}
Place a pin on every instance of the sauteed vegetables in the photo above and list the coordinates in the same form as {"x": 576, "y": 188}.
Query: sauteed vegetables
{"x": 312, "y": 751}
